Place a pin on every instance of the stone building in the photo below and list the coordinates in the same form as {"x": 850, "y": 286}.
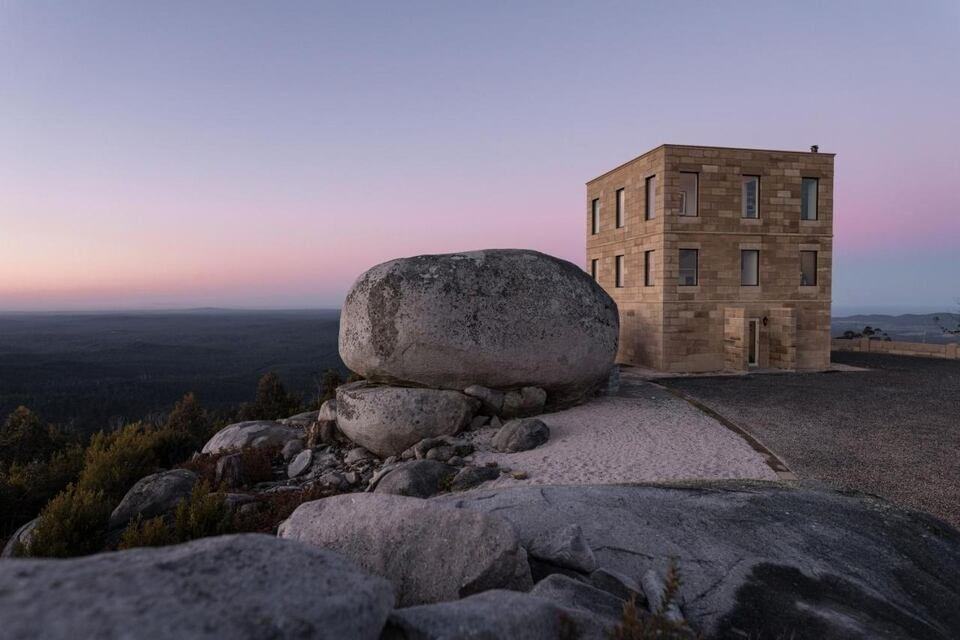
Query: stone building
{"x": 718, "y": 258}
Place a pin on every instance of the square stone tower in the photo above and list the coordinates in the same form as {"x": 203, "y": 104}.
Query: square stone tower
{"x": 718, "y": 258}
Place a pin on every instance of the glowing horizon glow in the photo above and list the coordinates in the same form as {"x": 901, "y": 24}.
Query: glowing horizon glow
{"x": 264, "y": 155}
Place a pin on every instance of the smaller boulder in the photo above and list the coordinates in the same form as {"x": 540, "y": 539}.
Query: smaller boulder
{"x": 333, "y": 480}
{"x": 479, "y": 422}
{"x": 564, "y": 547}
{"x": 291, "y": 449}
{"x": 470, "y": 477}
{"x": 527, "y": 401}
{"x": 19, "y": 541}
{"x": 521, "y": 435}
{"x": 300, "y": 464}
{"x": 328, "y": 410}
{"x": 255, "y": 433}
{"x": 417, "y": 478}
{"x": 301, "y": 420}
{"x": 153, "y": 495}
{"x": 358, "y": 454}
{"x": 441, "y": 453}
{"x": 491, "y": 399}
{"x": 602, "y": 609}
{"x": 618, "y": 585}
{"x": 230, "y": 471}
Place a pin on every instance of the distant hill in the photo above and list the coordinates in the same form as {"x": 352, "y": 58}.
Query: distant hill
{"x": 909, "y": 327}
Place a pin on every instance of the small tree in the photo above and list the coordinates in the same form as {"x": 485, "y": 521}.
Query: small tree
{"x": 272, "y": 400}
{"x": 73, "y": 524}
{"x": 328, "y": 386}
{"x": 25, "y": 439}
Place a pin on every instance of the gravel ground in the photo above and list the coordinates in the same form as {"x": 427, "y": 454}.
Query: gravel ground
{"x": 893, "y": 431}
{"x": 646, "y": 434}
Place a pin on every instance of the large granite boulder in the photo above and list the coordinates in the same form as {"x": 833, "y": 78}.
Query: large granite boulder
{"x": 253, "y": 433}
{"x": 430, "y": 552}
{"x": 154, "y": 495}
{"x": 500, "y": 318}
{"x": 760, "y": 560}
{"x": 387, "y": 420}
{"x": 243, "y": 587}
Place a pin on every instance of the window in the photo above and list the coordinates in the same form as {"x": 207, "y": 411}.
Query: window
{"x": 750, "y": 207}
{"x": 808, "y": 198}
{"x": 651, "y": 191}
{"x": 688, "y": 267}
{"x": 593, "y": 269}
{"x": 808, "y": 268}
{"x": 749, "y": 268}
{"x": 595, "y": 216}
{"x": 688, "y": 194}
{"x": 620, "y": 203}
{"x": 648, "y": 268}
{"x": 618, "y": 263}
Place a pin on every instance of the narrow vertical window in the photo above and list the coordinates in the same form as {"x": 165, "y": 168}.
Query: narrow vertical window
{"x": 621, "y": 200}
{"x": 750, "y": 197}
{"x": 618, "y": 263}
{"x": 651, "y": 196}
{"x": 593, "y": 269}
{"x": 808, "y": 268}
{"x": 688, "y": 193}
{"x": 595, "y": 216}
{"x": 689, "y": 259}
{"x": 648, "y": 268}
{"x": 749, "y": 268}
{"x": 809, "y": 189}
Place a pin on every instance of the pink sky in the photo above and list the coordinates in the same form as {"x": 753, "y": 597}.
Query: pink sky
{"x": 257, "y": 155}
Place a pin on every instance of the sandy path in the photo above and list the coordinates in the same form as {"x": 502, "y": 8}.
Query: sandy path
{"x": 650, "y": 436}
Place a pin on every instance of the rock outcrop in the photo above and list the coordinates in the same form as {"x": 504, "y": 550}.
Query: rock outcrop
{"x": 387, "y": 420}
{"x": 153, "y": 495}
{"x": 503, "y": 319}
{"x": 431, "y": 553}
{"x": 245, "y": 586}
{"x": 254, "y": 433}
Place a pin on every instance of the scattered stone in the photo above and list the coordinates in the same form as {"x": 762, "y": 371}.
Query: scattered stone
{"x": 333, "y": 479}
{"x": 301, "y": 420}
{"x": 417, "y": 478}
{"x": 412, "y": 320}
{"x": 328, "y": 410}
{"x": 229, "y": 471}
{"x": 441, "y": 454}
{"x": 521, "y": 435}
{"x": 322, "y": 432}
{"x": 617, "y": 584}
{"x": 519, "y": 475}
{"x": 324, "y": 461}
{"x": 255, "y": 433}
{"x": 456, "y": 461}
{"x": 351, "y": 477}
{"x": 390, "y": 460}
{"x": 654, "y": 588}
{"x": 388, "y": 420}
{"x": 520, "y": 403}
{"x": 479, "y": 422}
{"x": 430, "y": 552}
{"x": 358, "y": 454}
{"x": 491, "y": 399}
{"x": 291, "y": 449}
{"x": 300, "y": 464}
{"x": 235, "y": 501}
{"x": 495, "y": 422}
{"x": 19, "y": 541}
{"x": 153, "y": 495}
{"x": 224, "y": 587}
{"x": 564, "y": 547}
{"x": 470, "y": 477}
{"x": 758, "y": 558}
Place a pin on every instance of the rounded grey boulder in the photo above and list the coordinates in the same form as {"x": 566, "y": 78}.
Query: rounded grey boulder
{"x": 388, "y": 420}
{"x": 254, "y": 433}
{"x": 154, "y": 495}
{"x": 500, "y": 318}
{"x": 243, "y": 587}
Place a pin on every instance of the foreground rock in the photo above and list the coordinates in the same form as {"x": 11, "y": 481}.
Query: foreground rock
{"x": 759, "y": 559}
{"x": 153, "y": 496}
{"x": 388, "y": 420}
{"x": 521, "y": 435}
{"x": 248, "y": 586}
{"x": 256, "y": 433}
{"x": 481, "y": 318}
{"x": 429, "y": 552}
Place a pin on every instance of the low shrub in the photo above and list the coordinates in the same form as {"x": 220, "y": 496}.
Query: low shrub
{"x": 637, "y": 625}
{"x": 202, "y": 515}
{"x": 26, "y": 487}
{"x": 154, "y": 532}
{"x": 74, "y": 523}
{"x": 257, "y": 463}
{"x": 274, "y": 508}
{"x": 115, "y": 461}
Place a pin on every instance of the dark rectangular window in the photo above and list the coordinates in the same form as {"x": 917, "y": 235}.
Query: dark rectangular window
{"x": 689, "y": 259}
{"x": 809, "y": 192}
{"x": 648, "y": 268}
{"x": 750, "y": 194}
{"x": 595, "y": 216}
{"x": 620, "y": 204}
{"x": 688, "y": 193}
{"x": 593, "y": 269}
{"x": 651, "y": 198}
{"x": 618, "y": 263}
{"x": 808, "y": 268}
{"x": 749, "y": 268}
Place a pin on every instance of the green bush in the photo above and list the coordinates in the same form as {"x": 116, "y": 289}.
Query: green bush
{"x": 272, "y": 401}
{"x": 74, "y": 523}
{"x": 115, "y": 461}
{"x": 26, "y": 488}
{"x": 202, "y": 515}
{"x": 189, "y": 417}
{"x": 147, "y": 533}
{"x": 24, "y": 439}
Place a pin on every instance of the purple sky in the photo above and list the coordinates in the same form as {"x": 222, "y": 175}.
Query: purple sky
{"x": 260, "y": 154}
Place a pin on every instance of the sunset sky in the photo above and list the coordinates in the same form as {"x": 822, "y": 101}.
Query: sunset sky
{"x": 263, "y": 154}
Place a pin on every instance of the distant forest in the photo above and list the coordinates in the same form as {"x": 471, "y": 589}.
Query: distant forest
{"x": 99, "y": 370}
